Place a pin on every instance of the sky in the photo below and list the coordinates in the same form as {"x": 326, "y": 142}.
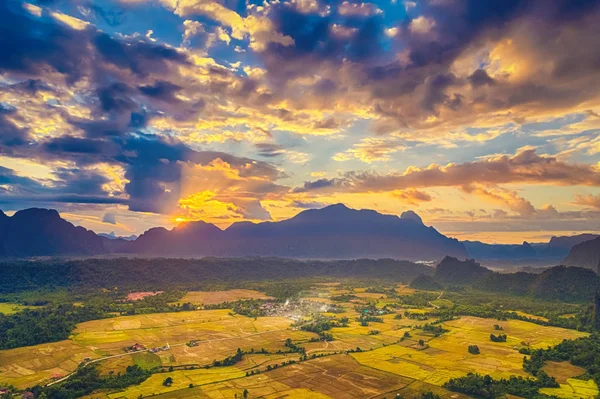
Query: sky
{"x": 481, "y": 116}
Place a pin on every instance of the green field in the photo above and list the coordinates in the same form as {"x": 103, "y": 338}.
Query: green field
{"x": 11, "y": 308}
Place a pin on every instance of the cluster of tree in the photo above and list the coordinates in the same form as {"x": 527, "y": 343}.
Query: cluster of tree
{"x": 323, "y": 336}
{"x": 485, "y": 387}
{"x": 283, "y": 291}
{"x": 322, "y": 323}
{"x": 583, "y": 352}
{"x": 344, "y": 297}
{"x": 48, "y": 324}
{"x": 249, "y": 307}
{"x": 389, "y": 292}
{"x": 294, "y": 347}
{"x": 416, "y": 316}
{"x": 365, "y": 319}
{"x": 229, "y": 360}
{"x": 418, "y": 299}
{"x": 434, "y": 329}
{"x": 498, "y": 338}
{"x": 87, "y": 379}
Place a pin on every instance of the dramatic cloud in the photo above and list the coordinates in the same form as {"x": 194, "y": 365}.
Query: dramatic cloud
{"x": 167, "y": 110}
{"x": 526, "y": 166}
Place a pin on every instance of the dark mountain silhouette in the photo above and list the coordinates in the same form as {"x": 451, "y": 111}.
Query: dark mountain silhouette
{"x": 113, "y": 236}
{"x": 42, "y": 232}
{"x": 334, "y": 232}
{"x": 585, "y": 254}
{"x": 557, "y": 248}
{"x": 480, "y": 250}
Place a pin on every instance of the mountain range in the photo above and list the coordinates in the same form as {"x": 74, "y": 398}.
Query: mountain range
{"x": 333, "y": 232}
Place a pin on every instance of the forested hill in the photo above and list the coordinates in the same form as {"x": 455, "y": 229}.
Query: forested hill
{"x": 557, "y": 283}
{"x": 159, "y": 273}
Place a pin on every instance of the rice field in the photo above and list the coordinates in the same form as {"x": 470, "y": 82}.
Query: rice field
{"x": 446, "y": 356}
{"x": 574, "y": 388}
{"x": 386, "y": 364}
{"x": 215, "y": 297}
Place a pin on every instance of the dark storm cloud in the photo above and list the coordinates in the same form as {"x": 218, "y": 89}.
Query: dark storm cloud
{"x": 141, "y": 58}
{"x": 481, "y": 78}
{"x": 161, "y": 90}
{"x": 10, "y": 134}
{"x": 269, "y": 150}
{"x": 116, "y": 97}
{"x": 34, "y": 45}
{"x": 8, "y": 177}
{"x": 38, "y": 43}
{"x": 315, "y": 42}
{"x": 72, "y": 186}
{"x": 318, "y": 185}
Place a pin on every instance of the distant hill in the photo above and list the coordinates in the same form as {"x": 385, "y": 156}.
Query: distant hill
{"x": 562, "y": 245}
{"x": 480, "y": 250}
{"x": 555, "y": 249}
{"x": 585, "y": 254}
{"x": 113, "y": 236}
{"x": 334, "y": 232}
{"x": 42, "y": 232}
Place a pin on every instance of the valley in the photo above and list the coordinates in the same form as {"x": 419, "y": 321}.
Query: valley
{"x": 346, "y": 338}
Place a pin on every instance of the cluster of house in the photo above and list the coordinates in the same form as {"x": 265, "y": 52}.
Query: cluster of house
{"x": 135, "y": 348}
{"x": 136, "y": 296}
{"x": 163, "y": 348}
{"x": 294, "y": 310}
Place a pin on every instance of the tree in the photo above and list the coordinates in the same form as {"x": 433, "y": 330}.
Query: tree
{"x": 245, "y": 393}
{"x": 473, "y": 349}
{"x": 168, "y": 382}
{"x": 421, "y": 342}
